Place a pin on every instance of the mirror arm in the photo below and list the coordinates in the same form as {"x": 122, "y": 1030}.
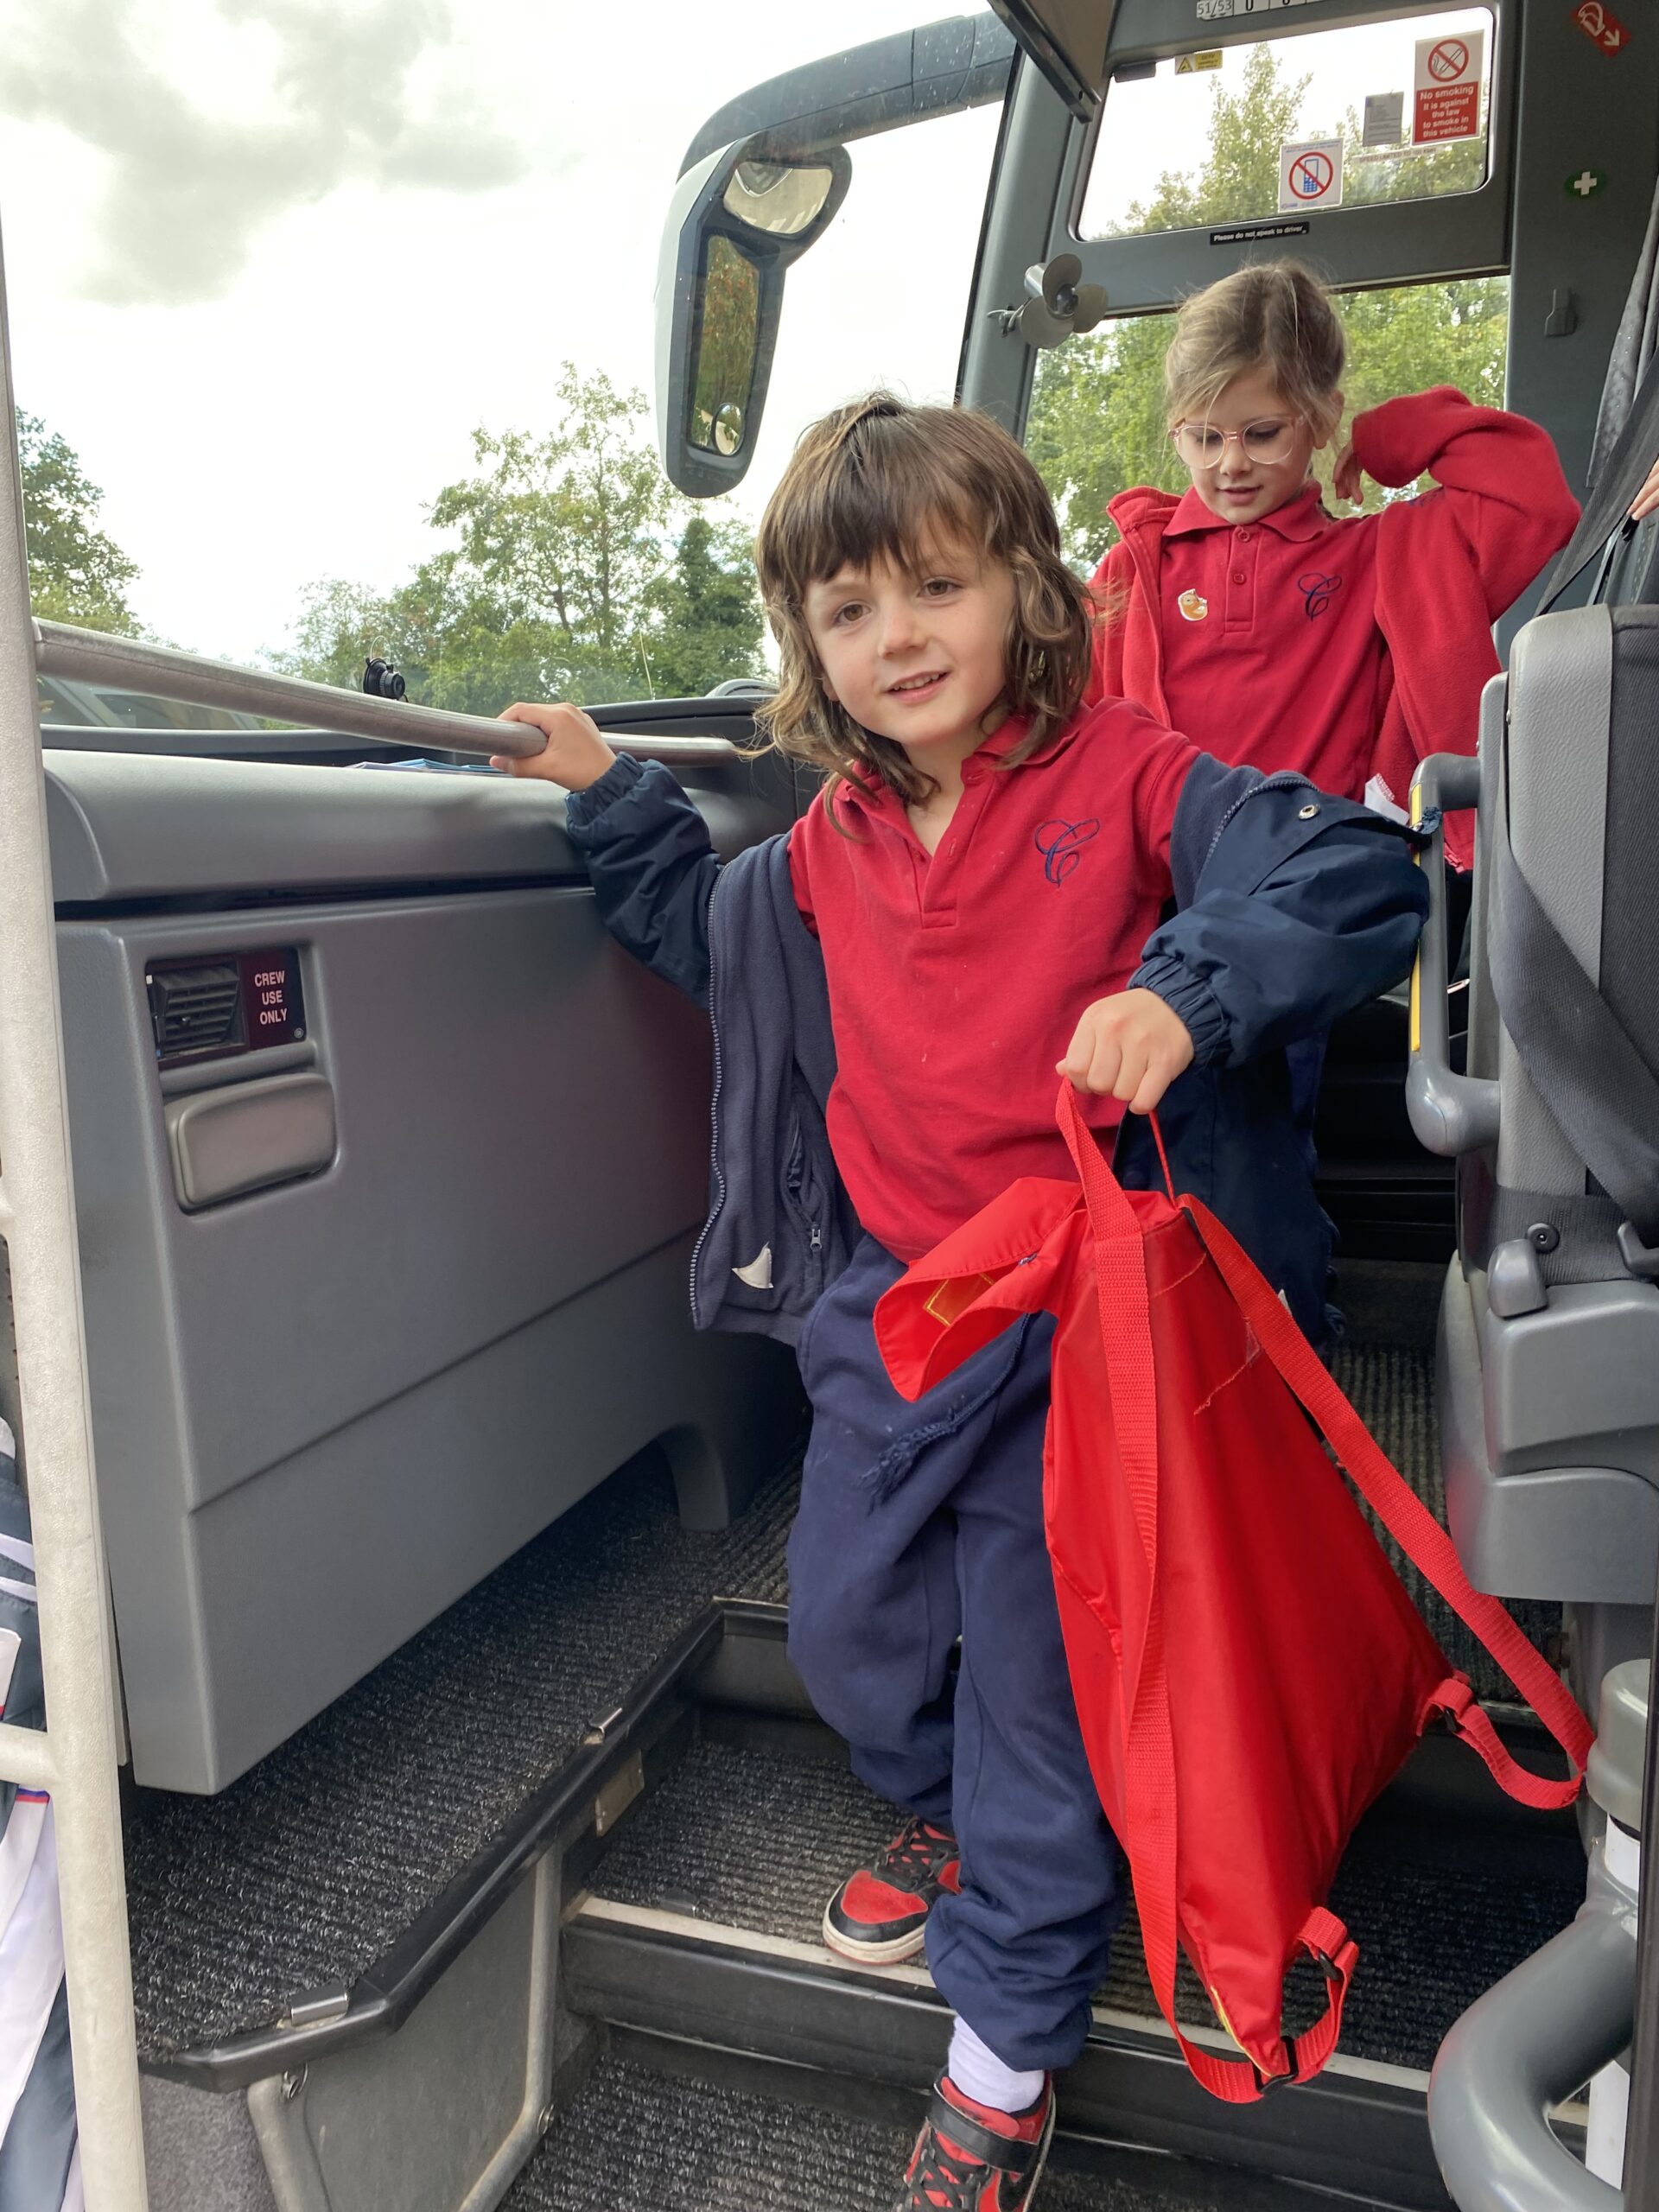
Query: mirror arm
{"x": 941, "y": 68}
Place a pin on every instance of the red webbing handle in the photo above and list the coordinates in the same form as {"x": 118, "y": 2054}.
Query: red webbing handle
{"x": 1417, "y": 1532}
{"x": 1110, "y": 1213}
{"x": 1149, "y": 1747}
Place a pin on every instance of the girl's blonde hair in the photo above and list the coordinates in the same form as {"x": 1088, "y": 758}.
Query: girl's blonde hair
{"x": 1275, "y": 316}
{"x": 881, "y": 480}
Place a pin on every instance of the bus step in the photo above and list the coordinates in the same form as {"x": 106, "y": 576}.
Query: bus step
{"x": 699, "y": 1930}
{"x": 717, "y": 1996}
{"x": 659, "y": 2128}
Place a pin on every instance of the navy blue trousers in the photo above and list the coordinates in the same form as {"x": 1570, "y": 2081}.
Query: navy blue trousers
{"x": 918, "y": 1524}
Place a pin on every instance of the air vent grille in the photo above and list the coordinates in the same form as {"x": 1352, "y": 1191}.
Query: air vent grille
{"x": 196, "y": 1009}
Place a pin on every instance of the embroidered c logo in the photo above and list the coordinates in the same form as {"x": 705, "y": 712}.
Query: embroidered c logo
{"x": 1060, "y": 844}
{"x": 1317, "y": 591}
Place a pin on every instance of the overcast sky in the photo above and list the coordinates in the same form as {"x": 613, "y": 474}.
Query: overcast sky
{"x": 270, "y": 262}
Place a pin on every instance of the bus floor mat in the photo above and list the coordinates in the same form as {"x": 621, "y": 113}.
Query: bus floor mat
{"x": 1391, "y": 1388}
{"x": 1440, "y": 1911}
{"x": 635, "y": 2140}
{"x": 308, "y": 1868}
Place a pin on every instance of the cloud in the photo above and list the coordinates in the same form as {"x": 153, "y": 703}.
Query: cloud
{"x": 189, "y": 188}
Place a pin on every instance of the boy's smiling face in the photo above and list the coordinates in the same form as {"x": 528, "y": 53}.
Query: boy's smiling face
{"x": 1240, "y": 484}
{"x": 919, "y": 657}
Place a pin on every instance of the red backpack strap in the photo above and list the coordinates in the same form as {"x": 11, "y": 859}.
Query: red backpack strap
{"x": 1419, "y": 1535}
{"x": 1149, "y": 1748}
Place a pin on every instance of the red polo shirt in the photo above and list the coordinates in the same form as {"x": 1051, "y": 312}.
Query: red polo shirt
{"x": 1270, "y": 638}
{"x": 956, "y": 980}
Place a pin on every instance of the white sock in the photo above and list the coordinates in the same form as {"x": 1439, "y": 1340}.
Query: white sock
{"x": 981, "y": 2075}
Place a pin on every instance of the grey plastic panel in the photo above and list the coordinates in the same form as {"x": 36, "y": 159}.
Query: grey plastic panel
{"x": 1561, "y": 712}
{"x": 1549, "y": 1437}
{"x": 1577, "y": 1380}
{"x": 323, "y": 1411}
{"x": 1550, "y": 1408}
{"x": 125, "y": 829}
{"x": 1618, "y": 1755}
{"x": 1482, "y": 1050}
{"x": 249, "y": 1136}
{"x": 438, "y": 2117}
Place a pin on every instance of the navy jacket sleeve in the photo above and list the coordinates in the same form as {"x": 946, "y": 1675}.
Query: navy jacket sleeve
{"x": 653, "y": 866}
{"x": 1294, "y": 907}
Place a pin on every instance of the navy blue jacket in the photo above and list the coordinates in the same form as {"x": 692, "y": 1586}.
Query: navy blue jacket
{"x": 1291, "y": 907}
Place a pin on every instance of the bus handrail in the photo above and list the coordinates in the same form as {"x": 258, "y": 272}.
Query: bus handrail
{"x": 76, "y": 1757}
{"x": 1519, "y": 2050}
{"x": 95, "y": 657}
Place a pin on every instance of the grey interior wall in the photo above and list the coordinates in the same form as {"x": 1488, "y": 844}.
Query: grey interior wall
{"x": 1580, "y": 108}
{"x": 323, "y": 1410}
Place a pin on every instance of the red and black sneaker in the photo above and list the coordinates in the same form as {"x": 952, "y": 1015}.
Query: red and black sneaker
{"x": 880, "y": 1914}
{"x": 971, "y": 2158}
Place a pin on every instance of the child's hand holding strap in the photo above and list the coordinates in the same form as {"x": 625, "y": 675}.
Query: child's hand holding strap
{"x": 1131, "y": 1046}
{"x": 575, "y": 755}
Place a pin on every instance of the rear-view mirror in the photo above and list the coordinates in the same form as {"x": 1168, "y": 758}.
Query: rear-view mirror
{"x": 735, "y": 224}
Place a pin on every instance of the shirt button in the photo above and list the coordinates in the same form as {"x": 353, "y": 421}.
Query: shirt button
{"x": 1239, "y": 576}
{"x": 1242, "y": 536}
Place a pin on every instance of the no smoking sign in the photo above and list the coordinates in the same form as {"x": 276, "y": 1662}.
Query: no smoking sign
{"x": 1447, "y": 84}
{"x": 1310, "y": 175}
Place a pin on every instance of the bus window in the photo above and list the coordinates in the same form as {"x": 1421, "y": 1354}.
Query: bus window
{"x": 865, "y": 306}
{"x": 1096, "y": 423}
{"x": 1249, "y": 104}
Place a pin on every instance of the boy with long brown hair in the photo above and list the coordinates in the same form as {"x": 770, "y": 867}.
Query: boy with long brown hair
{"x": 971, "y": 905}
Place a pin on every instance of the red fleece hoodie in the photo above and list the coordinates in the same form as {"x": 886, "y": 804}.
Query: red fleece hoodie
{"x": 1446, "y": 566}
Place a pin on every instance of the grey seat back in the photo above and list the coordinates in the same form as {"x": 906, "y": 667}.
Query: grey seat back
{"x": 1550, "y": 1335}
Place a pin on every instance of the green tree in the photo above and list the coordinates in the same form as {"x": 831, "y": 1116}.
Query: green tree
{"x": 707, "y": 611}
{"x": 1098, "y": 422}
{"x": 76, "y": 573}
{"x": 568, "y": 580}
{"x": 567, "y": 530}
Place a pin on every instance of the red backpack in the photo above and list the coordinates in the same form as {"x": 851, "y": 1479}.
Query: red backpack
{"x": 1249, "y": 1670}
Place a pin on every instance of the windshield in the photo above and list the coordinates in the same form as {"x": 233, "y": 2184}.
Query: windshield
{"x": 356, "y": 360}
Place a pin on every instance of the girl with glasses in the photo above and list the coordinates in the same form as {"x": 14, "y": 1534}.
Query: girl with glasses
{"x": 1270, "y": 631}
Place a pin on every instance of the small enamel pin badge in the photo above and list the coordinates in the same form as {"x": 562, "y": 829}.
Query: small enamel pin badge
{"x": 1193, "y": 605}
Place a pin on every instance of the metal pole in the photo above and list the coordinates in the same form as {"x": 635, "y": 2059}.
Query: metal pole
{"x": 1642, "y": 2131}
{"x": 90, "y": 657}
{"x": 37, "y": 1218}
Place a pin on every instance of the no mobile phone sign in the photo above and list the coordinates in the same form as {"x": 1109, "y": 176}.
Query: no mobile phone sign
{"x": 1310, "y": 175}
{"x": 1446, "y": 105}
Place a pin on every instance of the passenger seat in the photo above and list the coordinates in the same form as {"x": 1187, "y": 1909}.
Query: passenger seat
{"x": 1549, "y": 1327}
